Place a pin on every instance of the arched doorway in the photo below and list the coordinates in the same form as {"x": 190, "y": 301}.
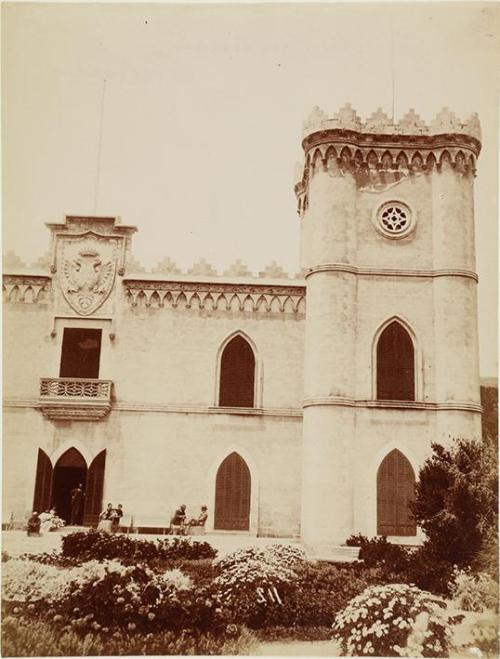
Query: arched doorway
{"x": 69, "y": 472}
{"x": 395, "y": 491}
{"x": 232, "y": 495}
{"x": 53, "y": 486}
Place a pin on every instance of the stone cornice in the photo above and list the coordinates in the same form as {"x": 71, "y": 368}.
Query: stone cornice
{"x": 390, "y": 272}
{"x": 341, "y": 401}
{"x": 216, "y": 295}
{"x": 286, "y": 412}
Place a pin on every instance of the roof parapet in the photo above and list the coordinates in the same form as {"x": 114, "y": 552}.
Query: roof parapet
{"x": 445, "y": 122}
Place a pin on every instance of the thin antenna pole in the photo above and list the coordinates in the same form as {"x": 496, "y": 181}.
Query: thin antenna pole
{"x": 99, "y": 148}
{"x": 393, "y": 84}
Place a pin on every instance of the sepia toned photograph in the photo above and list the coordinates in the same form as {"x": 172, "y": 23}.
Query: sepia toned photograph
{"x": 250, "y": 329}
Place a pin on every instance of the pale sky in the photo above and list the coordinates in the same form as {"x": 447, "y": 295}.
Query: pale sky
{"x": 202, "y": 117}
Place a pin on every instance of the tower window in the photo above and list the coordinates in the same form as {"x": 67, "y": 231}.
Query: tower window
{"x": 237, "y": 374}
{"x": 395, "y": 364}
{"x": 81, "y": 353}
{"x": 394, "y": 220}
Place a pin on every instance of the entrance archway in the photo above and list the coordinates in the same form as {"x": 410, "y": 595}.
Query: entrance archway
{"x": 53, "y": 486}
{"x": 232, "y": 495}
{"x": 69, "y": 472}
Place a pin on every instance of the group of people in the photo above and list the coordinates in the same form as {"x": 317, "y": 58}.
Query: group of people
{"x": 179, "y": 524}
{"x": 38, "y": 524}
{"x": 109, "y": 519}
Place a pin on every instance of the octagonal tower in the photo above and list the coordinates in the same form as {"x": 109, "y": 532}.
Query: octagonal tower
{"x": 391, "y": 350}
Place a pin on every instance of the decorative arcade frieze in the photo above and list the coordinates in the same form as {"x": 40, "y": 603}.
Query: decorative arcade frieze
{"x": 75, "y": 399}
{"x": 216, "y": 296}
{"x": 27, "y": 289}
{"x": 379, "y": 153}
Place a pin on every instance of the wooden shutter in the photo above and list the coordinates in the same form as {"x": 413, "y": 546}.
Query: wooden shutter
{"x": 395, "y": 490}
{"x": 43, "y": 482}
{"x": 94, "y": 490}
{"x": 237, "y": 374}
{"x": 395, "y": 364}
{"x": 232, "y": 495}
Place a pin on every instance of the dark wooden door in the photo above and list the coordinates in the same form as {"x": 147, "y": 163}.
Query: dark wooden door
{"x": 94, "y": 490}
{"x": 395, "y": 490}
{"x": 43, "y": 482}
{"x": 232, "y": 495}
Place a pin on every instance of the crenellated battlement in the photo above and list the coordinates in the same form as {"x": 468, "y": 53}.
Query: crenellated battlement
{"x": 445, "y": 122}
{"x": 379, "y": 153}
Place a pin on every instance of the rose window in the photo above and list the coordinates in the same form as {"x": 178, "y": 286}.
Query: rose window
{"x": 394, "y": 220}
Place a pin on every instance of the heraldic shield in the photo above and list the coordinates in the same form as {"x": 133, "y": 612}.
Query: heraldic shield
{"x": 87, "y": 269}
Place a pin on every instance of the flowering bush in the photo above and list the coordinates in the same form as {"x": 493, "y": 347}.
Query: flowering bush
{"x": 252, "y": 578}
{"x": 87, "y": 545}
{"x": 27, "y": 581}
{"x": 394, "y": 620}
{"x": 474, "y": 592}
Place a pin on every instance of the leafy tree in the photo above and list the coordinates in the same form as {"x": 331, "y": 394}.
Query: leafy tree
{"x": 456, "y": 500}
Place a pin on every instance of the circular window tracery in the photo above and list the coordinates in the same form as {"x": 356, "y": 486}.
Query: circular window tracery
{"x": 394, "y": 220}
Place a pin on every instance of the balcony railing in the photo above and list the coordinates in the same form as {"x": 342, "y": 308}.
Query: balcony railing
{"x": 75, "y": 398}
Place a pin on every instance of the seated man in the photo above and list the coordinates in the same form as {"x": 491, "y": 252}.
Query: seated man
{"x": 33, "y": 524}
{"x": 178, "y": 520}
{"x": 202, "y": 518}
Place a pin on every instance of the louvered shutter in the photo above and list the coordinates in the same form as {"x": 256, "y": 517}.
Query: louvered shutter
{"x": 395, "y": 364}
{"x": 237, "y": 374}
{"x": 395, "y": 490}
{"x": 94, "y": 490}
{"x": 43, "y": 482}
{"x": 232, "y": 495}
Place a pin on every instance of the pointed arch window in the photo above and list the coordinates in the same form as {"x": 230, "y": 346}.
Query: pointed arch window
{"x": 395, "y": 364}
{"x": 395, "y": 491}
{"x": 237, "y": 374}
{"x": 232, "y": 494}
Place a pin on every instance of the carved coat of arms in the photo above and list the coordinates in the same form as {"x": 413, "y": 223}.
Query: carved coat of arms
{"x": 87, "y": 269}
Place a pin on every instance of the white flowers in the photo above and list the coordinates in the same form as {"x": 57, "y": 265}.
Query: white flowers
{"x": 393, "y": 619}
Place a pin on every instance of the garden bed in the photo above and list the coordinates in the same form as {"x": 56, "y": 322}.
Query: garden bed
{"x": 116, "y": 595}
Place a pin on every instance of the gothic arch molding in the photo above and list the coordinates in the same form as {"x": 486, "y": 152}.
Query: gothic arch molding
{"x": 79, "y": 446}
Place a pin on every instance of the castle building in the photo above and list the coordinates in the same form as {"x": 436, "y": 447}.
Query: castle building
{"x": 291, "y": 407}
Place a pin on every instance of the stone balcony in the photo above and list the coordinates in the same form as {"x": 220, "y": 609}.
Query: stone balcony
{"x": 75, "y": 399}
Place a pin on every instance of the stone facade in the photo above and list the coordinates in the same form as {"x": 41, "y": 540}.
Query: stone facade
{"x": 317, "y": 433}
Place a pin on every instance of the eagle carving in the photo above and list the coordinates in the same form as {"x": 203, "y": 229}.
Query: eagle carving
{"x": 87, "y": 280}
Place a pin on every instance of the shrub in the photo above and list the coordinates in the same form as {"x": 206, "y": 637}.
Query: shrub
{"x": 250, "y": 578}
{"x": 421, "y": 567}
{"x": 316, "y": 595}
{"x": 394, "y": 620}
{"x": 456, "y": 499}
{"x": 88, "y": 545}
{"x": 474, "y": 592}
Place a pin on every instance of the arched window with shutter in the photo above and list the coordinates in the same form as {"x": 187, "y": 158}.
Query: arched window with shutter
{"x": 395, "y": 491}
{"x": 232, "y": 494}
{"x": 237, "y": 374}
{"x": 395, "y": 364}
